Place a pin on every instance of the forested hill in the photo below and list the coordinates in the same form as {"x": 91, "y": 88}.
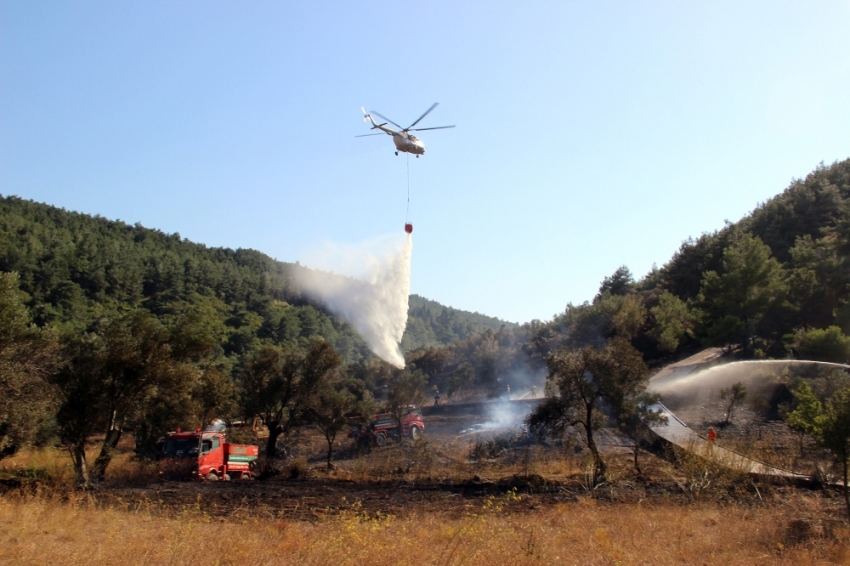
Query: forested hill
{"x": 772, "y": 283}
{"x": 431, "y": 323}
{"x": 76, "y": 268}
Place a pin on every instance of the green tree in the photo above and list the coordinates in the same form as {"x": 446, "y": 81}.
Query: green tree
{"x": 28, "y": 355}
{"x": 821, "y": 344}
{"x": 462, "y": 377}
{"x": 835, "y": 434}
{"x": 806, "y": 412}
{"x": 213, "y": 395}
{"x": 333, "y": 403}
{"x": 408, "y": 388}
{"x": 81, "y": 394}
{"x": 734, "y": 303}
{"x": 431, "y": 360}
{"x": 620, "y": 282}
{"x": 278, "y": 385}
{"x": 673, "y": 321}
{"x": 110, "y": 378}
{"x": 642, "y": 414}
{"x": 588, "y": 379}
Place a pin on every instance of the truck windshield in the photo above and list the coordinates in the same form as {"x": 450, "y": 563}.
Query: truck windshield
{"x": 180, "y": 447}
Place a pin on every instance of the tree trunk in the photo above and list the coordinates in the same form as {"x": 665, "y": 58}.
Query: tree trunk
{"x": 107, "y": 450}
{"x": 599, "y": 469}
{"x": 330, "y": 450}
{"x": 81, "y": 470}
{"x": 637, "y": 453}
{"x": 598, "y": 465}
{"x": 846, "y": 496}
{"x": 274, "y": 434}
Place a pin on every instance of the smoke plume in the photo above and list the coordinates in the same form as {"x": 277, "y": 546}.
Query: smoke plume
{"x": 368, "y": 285}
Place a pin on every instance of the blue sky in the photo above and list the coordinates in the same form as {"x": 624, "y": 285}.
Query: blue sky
{"x": 589, "y": 134}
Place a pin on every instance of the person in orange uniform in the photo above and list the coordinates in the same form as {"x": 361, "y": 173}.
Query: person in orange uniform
{"x": 712, "y": 435}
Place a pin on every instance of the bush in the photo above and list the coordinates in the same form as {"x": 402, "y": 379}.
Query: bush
{"x": 298, "y": 468}
{"x": 495, "y": 446}
{"x": 821, "y": 344}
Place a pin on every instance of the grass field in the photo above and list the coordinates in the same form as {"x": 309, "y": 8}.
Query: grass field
{"x": 426, "y": 503}
{"x": 46, "y": 530}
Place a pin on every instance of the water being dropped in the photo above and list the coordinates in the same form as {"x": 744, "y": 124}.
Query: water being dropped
{"x": 368, "y": 285}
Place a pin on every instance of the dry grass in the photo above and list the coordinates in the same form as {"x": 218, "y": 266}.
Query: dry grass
{"x": 52, "y": 467}
{"x": 60, "y": 526}
{"x": 45, "y": 531}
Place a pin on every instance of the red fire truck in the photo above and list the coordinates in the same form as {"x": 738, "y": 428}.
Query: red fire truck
{"x": 208, "y": 456}
{"x": 383, "y": 425}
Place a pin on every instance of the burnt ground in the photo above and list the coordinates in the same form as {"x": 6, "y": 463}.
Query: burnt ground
{"x": 757, "y": 431}
{"x": 316, "y": 498}
{"x": 440, "y": 475}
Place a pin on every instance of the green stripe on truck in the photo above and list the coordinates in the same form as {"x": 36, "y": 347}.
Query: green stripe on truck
{"x": 235, "y": 458}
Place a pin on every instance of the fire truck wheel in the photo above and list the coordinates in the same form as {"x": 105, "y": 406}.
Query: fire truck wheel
{"x": 381, "y": 439}
{"x": 415, "y": 432}
{"x": 226, "y": 477}
{"x": 212, "y": 476}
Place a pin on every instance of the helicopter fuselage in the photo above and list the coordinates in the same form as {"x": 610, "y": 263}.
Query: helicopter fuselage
{"x": 403, "y": 139}
{"x": 410, "y": 144}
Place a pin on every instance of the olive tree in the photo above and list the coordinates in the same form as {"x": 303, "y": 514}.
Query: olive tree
{"x": 334, "y": 401}
{"x": 277, "y": 385}
{"x": 587, "y": 382}
{"x": 732, "y": 395}
{"x": 406, "y": 389}
{"x": 28, "y": 355}
{"x": 111, "y": 376}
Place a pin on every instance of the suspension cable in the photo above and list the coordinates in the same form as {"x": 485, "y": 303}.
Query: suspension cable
{"x": 407, "y": 213}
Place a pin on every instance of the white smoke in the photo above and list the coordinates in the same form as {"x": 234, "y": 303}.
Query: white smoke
{"x": 371, "y": 292}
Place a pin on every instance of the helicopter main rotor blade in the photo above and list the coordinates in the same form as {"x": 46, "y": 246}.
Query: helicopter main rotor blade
{"x": 367, "y": 135}
{"x": 435, "y": 128}
{"x": 387, "y": 119}
{"x": 425, "y": 114}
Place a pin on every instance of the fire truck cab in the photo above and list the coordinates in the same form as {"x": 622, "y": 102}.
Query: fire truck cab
{"x": 208, "y": 455}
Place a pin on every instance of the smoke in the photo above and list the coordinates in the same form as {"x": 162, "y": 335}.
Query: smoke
{"x": 505, "y": 414}
{"x": 525, "y": 383}
{"x": 368, "y": 285}
{"x": 502, "y": 416}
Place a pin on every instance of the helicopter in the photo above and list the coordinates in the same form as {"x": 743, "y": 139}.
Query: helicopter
{"x": 403, "y": 139}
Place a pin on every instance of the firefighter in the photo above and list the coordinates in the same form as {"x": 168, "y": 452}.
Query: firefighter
{"x": 436, "y": 397}
{"x": 712, "y": 434}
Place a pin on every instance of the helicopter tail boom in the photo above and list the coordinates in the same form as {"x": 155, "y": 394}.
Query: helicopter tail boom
{"x": 367, "y": 118}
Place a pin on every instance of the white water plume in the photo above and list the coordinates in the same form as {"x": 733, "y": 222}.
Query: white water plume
{"x": 366, "y": 284}
{"x": 703, "y": 385}
{"x": 724, "y": 374}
